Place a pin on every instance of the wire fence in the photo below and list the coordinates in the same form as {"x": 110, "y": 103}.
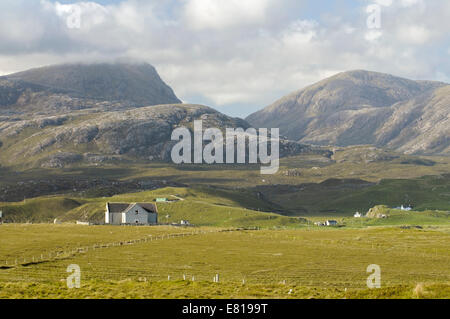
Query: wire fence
{"x": 112, "y": 262}
{"x": 71, "y": 252}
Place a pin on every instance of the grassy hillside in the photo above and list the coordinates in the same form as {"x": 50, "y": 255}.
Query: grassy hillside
{"x": 354, "y": 179}
{"x": 261, "y": 206}
{"x": 199, "y": 207}
{"x": 404, "y": 219}
{"x": 44, "y": 209}
{"x": 344, "y": 197}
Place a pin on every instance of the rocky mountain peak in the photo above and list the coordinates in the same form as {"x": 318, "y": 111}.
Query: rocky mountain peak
{"x": 137, "y": 83}
{"x": 351, "y": 108}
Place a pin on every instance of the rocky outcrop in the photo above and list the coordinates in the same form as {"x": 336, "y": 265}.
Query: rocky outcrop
{"x": 379, "y": 211}
{"x": 61, "y": 159}
{"x": 119, "y": 135}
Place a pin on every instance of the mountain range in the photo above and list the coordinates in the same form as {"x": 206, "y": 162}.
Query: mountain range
{"x": 96, "y": 113}
{"x": 65, "y": 114}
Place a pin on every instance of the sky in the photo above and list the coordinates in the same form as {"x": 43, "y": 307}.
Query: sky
{"x": 237, "y": 56}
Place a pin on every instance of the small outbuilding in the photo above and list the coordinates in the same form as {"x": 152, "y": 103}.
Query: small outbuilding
{"x": 331, "y": 223}
{"x": 83, "y": 223}
{"x": 319, "y": 224}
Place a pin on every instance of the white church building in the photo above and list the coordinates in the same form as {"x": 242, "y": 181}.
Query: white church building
{"x": 131, "y": 214}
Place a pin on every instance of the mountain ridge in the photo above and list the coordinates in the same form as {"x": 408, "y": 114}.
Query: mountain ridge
{"x": 139, "y": 84}
{"x": 96, "y": 137}
{"x": 47, "y": 124}
{"x": 350, "y": 108}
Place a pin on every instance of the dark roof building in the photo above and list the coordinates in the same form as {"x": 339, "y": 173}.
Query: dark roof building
{"x": 131, "y": 214}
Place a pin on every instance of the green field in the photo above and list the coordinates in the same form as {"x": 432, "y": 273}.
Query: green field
{"x": 309, "y": 262}
{"x": 273, "y": 251}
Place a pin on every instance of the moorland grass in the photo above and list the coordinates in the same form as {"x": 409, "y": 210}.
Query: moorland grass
{"x": 313, "y": 262}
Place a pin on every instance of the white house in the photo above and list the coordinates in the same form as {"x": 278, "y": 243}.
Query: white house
{"x": 405, "y": 208}
{"x": 357, "y": 215}
{"x": 185, "y": 223}
{"x": 131, "y": 214}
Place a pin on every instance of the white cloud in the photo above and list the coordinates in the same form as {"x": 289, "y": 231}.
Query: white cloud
{"x": 300, "y": 32}
{"x": 129, "y": 16}
{"x": 213, "y": 14}
{"x": 386, "y": 3}
{"x": 373, "y": 35}
{"x": 414, "y": 34}
{"x": 229, "y": 53}
{"x": 408, "y": 3}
